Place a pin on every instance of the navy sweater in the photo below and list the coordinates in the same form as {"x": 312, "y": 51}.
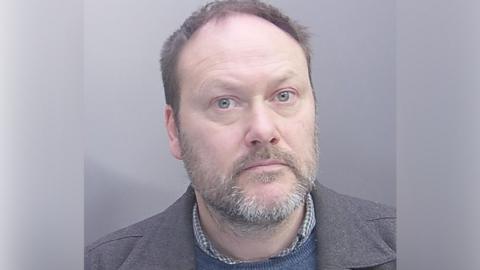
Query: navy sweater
{"x": 302, "y": 258}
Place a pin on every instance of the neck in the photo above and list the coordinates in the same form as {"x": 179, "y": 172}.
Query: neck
{"x": 248, "y": 244}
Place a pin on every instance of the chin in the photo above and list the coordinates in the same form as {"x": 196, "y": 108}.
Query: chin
{"x": 269, "y": 192}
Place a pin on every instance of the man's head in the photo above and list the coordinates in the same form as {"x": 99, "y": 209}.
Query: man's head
{"x": 245, "y": 119}
{"x": 217, "y": 11}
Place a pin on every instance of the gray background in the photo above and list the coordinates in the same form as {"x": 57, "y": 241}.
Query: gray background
{"x": 43, "y": 149}
{"x": 129, "y": 173}
{"x": 438, "y": 134}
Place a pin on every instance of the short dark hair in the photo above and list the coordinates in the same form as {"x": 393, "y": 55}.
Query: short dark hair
{"x": 218, "y": 10}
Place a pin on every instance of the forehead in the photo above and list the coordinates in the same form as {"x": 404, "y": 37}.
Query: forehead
{"x": 239, "y": 42}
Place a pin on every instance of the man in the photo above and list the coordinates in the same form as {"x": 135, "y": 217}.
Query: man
{"x": 241, "y": 115}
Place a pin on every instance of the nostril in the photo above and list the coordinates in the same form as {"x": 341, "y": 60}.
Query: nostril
{"x": 255, "y": 142}
{"x": 274, "y": 141}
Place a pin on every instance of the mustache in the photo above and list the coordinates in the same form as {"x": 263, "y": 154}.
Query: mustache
{"x": 266, "y": 152}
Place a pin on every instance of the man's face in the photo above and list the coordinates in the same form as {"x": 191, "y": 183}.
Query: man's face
{"x": 246, "y": 130}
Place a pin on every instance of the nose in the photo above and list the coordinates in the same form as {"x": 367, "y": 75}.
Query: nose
{"x": 261, "y": 128}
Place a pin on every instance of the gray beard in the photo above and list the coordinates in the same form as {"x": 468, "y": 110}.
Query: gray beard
{"x": 228, "y": 201}
{"x": 246, "y": 215}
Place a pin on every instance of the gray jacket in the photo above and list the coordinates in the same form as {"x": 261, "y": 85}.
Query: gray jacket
{"x": 351, "y": 234}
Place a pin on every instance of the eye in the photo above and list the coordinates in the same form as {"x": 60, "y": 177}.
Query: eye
{"x": 224, "y": 103}
{"x": 284, "y": 96}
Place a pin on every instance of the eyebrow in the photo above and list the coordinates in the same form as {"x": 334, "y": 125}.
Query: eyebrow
{"x": 285, "y": 76}
{"x": 219, "y": 83}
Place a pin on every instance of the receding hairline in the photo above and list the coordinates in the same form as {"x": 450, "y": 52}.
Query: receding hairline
{"x": 216, "y": 21}
{"x": 230, "y": 16}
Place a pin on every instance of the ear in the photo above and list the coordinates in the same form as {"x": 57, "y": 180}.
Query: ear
{"x": 173, "y": 138}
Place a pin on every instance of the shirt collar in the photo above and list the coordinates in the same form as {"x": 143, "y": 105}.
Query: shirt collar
{"x": 308, "y": 224}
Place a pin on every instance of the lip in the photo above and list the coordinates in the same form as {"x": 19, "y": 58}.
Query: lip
{"x": 264, "y": 163}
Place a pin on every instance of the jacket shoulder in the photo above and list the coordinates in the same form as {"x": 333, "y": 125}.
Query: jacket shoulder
{"x": 125, "y": 246}
{"x": 355, "y": 233}
{"x": 377, "y": 215}
{"x": 110, "y": 251}
{"x": 369, "y": 210}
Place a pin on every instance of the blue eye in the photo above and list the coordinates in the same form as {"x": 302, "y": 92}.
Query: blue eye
{"x": 283, "y": 96}
{"x": 224, "y": 103}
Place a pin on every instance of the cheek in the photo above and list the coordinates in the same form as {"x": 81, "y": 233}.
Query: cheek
{"x": 218, "y": 144}
{"x": 299, "y": 134}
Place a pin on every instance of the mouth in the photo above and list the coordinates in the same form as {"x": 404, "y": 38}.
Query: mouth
{"x": 265, "y": 165}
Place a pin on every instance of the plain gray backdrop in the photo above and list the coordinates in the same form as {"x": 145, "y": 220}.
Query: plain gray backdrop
{"x": 49, "y": 110}
{"x": 129, "y": 172}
